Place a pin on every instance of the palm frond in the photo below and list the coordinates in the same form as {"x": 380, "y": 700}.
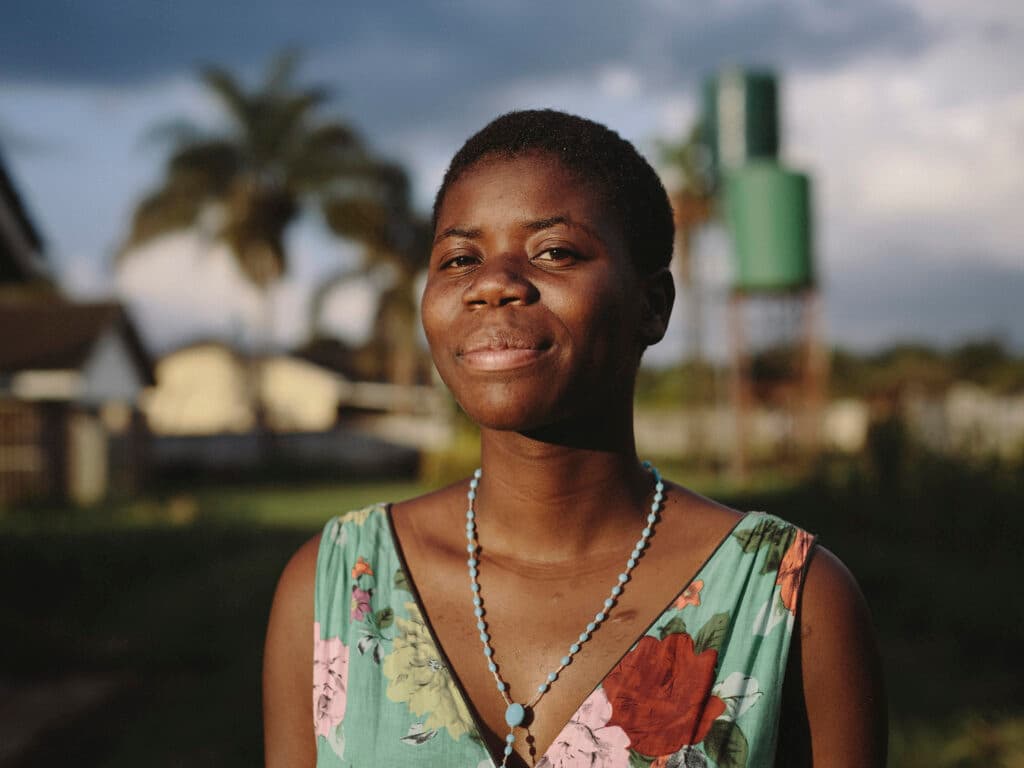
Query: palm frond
{"x": 229, "y": 93}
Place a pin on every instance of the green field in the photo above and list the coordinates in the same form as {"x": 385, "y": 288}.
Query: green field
{"x": 161, "y": 604}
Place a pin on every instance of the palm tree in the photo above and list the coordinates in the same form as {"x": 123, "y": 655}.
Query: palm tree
{"x": 275, "y": 155}
{"x": 396, "y": 240}
{"x": 252, "y": 180}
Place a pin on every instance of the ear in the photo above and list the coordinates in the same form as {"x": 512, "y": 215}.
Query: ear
{"x": 659, "y": 294}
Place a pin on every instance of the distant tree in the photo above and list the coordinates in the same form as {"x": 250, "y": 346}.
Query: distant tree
{"x": 396, "y": 241}
{"x": 276, "y": 154}
{"x": 250, "y": 182}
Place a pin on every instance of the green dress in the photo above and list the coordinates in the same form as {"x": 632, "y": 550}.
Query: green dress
{"x": 700, "y": 688}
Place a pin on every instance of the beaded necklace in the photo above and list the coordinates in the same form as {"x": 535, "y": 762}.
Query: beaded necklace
{"x": 516, "y": 713}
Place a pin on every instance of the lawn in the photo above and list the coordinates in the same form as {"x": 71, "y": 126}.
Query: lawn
{"x": 160, "y": 604}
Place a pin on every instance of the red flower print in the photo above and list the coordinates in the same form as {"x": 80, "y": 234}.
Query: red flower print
{"x": 791, "y": 568}
{"x": 360, "y": 568}
{"x": 661, "y": 694}
{"x": 360, "y": 603}
{"x": 690, "y": 596}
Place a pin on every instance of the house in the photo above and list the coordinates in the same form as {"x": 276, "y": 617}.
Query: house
{"x": 70, "y": 375}
{"x": 215, "y": 411}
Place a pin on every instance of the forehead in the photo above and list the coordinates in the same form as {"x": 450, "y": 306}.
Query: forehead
{"x": 535, "y": 183}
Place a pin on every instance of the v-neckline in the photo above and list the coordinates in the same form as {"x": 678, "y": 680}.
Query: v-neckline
{"x": 478, "y": 724}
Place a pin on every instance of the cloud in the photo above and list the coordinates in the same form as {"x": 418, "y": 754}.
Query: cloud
{"x": 909, "y": 115}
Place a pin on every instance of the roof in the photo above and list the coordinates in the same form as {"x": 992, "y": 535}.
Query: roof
{"x": 20, "y": 243}
{"x": 60, "y": 335}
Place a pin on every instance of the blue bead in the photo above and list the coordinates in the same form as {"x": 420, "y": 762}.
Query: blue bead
{"x": 470, "y": 535}
{"x": 484, "y": 637}
{"x": 488, "y": 652}
{"x": 652, "y": 518}
{"x": 474, "y": 482}
{"x": 600, "y": 617}
{"x": 616, "y": 590}
{"x": 494, "y": 668}
{"x": 591, "y": 627}
{"x": 481, "y": 625}
{"x": 542, "y": 688}
{"x": 565, "y": 661}
{"x": 473, "y": 572}
{"x": 470, "y": 525}
{"x": 470, "y": 514}
{"x": 477, "y": 601}
{"x": 609, "y": 603}
{"x": 515, "y": 714}
{"x": 631, "y": 563}
{"x": 659, "y": 486}
{"x": 501, "y": 686}
{"x": 623, "y": 578}
{"x": 477, "y": 472}
{"x": 510, "y": 738}
{"x": 470, "y": 548}
{"x": 634, "y": 555}
{"x": 552, "y": 676}
{"x": 475, "y": 587}
{"x": 471, "y": 562}
{"x": 508, "y": 750}
{"x": 574, "y": 648}
{"x": 471, "y": 495}
{"x": 646, "y": 532}
{"x": 583, "y": 637}
{"x": 478, "y": 612}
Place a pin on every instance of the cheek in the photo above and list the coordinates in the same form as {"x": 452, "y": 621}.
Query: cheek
{"x": 433, "y": 317}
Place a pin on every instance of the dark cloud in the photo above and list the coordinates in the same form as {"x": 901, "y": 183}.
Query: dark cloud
{"x": 469, "y": 44}
{"x": 911, "y": 297}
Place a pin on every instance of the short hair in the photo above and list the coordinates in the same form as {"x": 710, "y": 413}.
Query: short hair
{"x": 626, "y": 182}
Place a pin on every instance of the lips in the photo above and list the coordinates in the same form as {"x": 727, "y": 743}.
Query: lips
{"x": 501, "y": 349}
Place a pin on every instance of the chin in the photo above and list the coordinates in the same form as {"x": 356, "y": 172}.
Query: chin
{"x": 506, "y": 415}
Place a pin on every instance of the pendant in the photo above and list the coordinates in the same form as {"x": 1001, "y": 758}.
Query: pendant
{"x": 515, "y": 715}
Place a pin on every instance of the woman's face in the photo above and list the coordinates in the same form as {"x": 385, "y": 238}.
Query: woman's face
{"x": 532, "y": 308}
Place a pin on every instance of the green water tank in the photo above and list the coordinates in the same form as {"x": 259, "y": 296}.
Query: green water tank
{"x": 740, "y": 120}
{"x": 769, "y": 216}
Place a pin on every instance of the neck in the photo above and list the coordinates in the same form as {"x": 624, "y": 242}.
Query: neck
{"x": 548, "y": 502}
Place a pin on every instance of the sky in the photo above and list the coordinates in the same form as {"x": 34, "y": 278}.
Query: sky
{"x": 907, "y": 114}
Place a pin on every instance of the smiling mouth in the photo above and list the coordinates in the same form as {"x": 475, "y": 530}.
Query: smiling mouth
{"x": 501, "y": 351}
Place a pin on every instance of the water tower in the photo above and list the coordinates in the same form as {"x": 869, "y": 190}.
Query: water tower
{"x": 777, "y": 359}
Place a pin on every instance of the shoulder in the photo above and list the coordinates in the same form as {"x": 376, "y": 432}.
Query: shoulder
{"x": 838, "y": 663}
{"x": 288, "y": 662}
{"x": 293, "y": 599}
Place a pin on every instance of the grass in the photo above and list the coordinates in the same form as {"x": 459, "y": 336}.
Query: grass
{"x": 168, "y": 595}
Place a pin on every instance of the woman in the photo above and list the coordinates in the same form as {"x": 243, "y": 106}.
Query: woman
{"x": 565, "y": 606}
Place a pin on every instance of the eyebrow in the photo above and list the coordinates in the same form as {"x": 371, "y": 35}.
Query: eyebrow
{"x": 533, "y": 226}
{"x": 469, "y": 234}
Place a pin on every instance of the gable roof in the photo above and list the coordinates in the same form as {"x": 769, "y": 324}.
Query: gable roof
{"x": 60, "y": 335}
{"x": 21, "y": 247}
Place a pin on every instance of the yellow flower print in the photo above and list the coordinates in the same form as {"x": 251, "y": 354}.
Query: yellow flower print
{"x": 418, "y": 677}
{"x": 357, "y": 516}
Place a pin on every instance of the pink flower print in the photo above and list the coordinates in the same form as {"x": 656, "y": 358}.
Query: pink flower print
{"x": 360, "y": 568}
{"x": 360, "y": 603}
{"x": 588, "y": 740}
{"x": 690, "y": 596}
{"x": 330, "y": 681}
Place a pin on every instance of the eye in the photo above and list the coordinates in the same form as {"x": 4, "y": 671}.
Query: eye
{"x": 557, "y": 256}
{"x": 458, "y": 261}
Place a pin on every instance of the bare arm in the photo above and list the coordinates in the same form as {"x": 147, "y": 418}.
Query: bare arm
{"x": 834, "y": 711}
{"x": 288, "y": 666}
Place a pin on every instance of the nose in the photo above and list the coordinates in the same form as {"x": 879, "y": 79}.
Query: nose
{"x": 500, "y": 281}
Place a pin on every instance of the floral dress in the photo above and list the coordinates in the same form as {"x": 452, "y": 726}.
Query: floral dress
{"x": 701, "y": 688}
